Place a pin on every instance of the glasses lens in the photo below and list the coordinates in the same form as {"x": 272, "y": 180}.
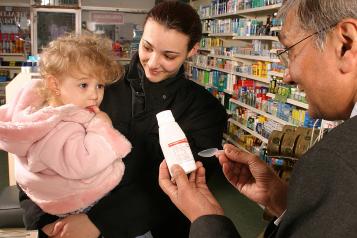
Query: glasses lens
{"x": 284, "y": 58}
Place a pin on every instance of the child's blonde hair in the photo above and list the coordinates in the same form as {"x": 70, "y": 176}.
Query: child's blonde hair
{"x": 89, "y": 54}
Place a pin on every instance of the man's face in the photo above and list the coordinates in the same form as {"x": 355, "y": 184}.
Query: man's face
{"x": 317, "y": 72}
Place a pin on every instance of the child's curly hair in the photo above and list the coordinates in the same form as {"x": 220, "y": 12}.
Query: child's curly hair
{"x": 89, "y": 54}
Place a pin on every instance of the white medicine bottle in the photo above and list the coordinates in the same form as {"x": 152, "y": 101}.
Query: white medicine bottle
{"x": 174, "y": 143}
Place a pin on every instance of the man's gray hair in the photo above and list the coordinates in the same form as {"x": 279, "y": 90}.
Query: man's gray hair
{"x": 319, "y": 15}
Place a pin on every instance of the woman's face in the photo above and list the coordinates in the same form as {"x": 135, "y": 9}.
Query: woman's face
{"x": 162, "y": 51}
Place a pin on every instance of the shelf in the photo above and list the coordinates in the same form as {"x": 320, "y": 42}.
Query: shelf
{"x": 274, "y": 118}
{"x": 206, "y": 32}
{"x": 233, "y": 142}
{"x": 277, "y": 74}
{"x": 222, "y": 70}
{"x": 12, "y": 54}
{"x": 260, "y": 9}
{"x": 223, "y": 57}
{"x": 292, "y": 101}
{"x": 275, "y": 28}
{"x": 123, "y": 59}
{"x": 263, "y": 80}
{"x": 222, "y": 34}
{"x": 205, "y": 49}
{"x": 249, "y": 11}
{"x": 254, "y": 57}
{"x": 201, "y": 67}
{"x": 272, "y": 38}
{"x": 205, "y": 18}
{"x": 10, "y": 67}
{"x": 255, "y": 134}
{"x": 256, "y": 78}
{"x": 189, "y": 62}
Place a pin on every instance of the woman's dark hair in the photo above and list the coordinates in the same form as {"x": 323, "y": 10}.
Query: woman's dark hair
{"x": 180, "y": 17}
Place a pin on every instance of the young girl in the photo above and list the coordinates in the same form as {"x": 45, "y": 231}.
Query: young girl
{"x": 68, "y": 155}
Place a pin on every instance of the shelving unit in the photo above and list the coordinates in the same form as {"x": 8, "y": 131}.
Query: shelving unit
{"x": 265, "y": 140}
{"x": 260, "y": 112}
{"x": 292, "y": 102}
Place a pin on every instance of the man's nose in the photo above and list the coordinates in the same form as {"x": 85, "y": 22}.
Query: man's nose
{"x": 287, "y": 77}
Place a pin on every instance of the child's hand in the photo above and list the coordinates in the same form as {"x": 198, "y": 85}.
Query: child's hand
{"x": 100, "y": 115}
{"x": 54, "y": 228}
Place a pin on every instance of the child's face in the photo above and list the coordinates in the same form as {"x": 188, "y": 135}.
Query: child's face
{"x": 81, "y": 90}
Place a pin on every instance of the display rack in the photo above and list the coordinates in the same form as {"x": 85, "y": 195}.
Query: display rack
{"x": 223, "y": 69}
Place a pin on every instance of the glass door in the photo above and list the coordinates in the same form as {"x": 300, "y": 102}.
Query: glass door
{"x": 50, "y": 23}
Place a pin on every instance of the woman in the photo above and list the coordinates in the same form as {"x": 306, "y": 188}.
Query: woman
{"x": 154, "y": 81}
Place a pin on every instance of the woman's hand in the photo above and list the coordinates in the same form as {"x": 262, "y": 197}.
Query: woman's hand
{"x": 190, "y": 195}
{"x": 254, "y": 178}
{"x": 73, "y": 226}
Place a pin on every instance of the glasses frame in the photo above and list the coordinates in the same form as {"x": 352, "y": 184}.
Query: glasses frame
{"x": 280, "y": 53}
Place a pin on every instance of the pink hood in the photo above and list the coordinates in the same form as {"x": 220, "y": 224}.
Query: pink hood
{"x": 66, "y": 158}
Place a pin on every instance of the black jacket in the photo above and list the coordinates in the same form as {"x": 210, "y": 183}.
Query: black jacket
{"x": 137, "y": 204}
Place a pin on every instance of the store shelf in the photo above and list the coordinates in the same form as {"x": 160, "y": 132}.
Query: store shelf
{"x": 260, "y": 10}
{"x": 277, "y": 74}
{"x": 221, "y": 70}
{"x": 189, "y": 62}
{"x": 250, "y": 11}
{"x": 206, "y": 32}
{"x": 233, "y": 142}
{"x": 291, "y": 101}
{"x": 272, "y": 38}
{"x": 10, "y": 67}
{"x": 12, "y": 54}
{"x": 255, "y": 134}
{"x": 222, "y": 34}
{"x": 206, "y": 18}
{"x": 256, "y": 78}
{"x": 254, "y": 57}
{"x": 274, "y": 118}
{"x": 223, "y": 57}
{"x": 201, "y": 67}
{"x": 205, "y": 49}
{"x": 123, "y": 59}
{"x": 275, "y": 28}
{"x": 249, "y": 76}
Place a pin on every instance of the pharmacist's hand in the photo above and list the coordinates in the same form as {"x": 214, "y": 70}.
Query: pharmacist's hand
{"x": 190, "y": 195}
{"x": 254, "y": 178}
{"x": 100, "y": 115}
{"x": 74, "y": 226}
{"x": 54, "y": 228}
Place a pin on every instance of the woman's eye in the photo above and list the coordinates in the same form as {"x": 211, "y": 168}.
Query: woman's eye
{"x": 83, "y": 85}
{"x": 169, "y": 57}
{"x": 147, "y": 48}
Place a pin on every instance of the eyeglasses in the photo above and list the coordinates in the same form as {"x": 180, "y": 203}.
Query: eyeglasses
{"x": 283, "y": 55}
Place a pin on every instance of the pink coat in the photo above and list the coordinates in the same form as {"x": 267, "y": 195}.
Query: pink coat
{"x": 66, "y": 159}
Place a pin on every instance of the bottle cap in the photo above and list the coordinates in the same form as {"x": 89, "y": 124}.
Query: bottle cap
{"x": 165, "y": 117}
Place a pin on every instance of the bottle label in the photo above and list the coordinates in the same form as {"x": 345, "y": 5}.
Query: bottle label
{"x": 179, "y": 152}
{"x": 178, "y": 142}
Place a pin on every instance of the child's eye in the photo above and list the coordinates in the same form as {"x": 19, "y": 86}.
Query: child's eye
{"x": 83, "y": 85}
{"x": 100, "y": 86}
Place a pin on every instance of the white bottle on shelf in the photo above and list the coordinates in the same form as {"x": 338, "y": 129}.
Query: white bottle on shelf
{"x": 174, "y": 143}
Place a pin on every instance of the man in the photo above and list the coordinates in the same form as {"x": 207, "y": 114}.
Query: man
{"x": 321, "y": 57}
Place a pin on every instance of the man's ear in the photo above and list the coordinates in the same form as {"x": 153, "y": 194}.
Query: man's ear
{"x": 194, "y": 50}
{"x": 52, "y": 84}
{"x": 347, "y": 36}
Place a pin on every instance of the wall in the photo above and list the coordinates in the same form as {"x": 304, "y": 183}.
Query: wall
{"x": 140, "y": 4}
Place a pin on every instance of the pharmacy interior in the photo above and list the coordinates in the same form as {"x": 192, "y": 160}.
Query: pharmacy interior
{"x": 237, "y": 62}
